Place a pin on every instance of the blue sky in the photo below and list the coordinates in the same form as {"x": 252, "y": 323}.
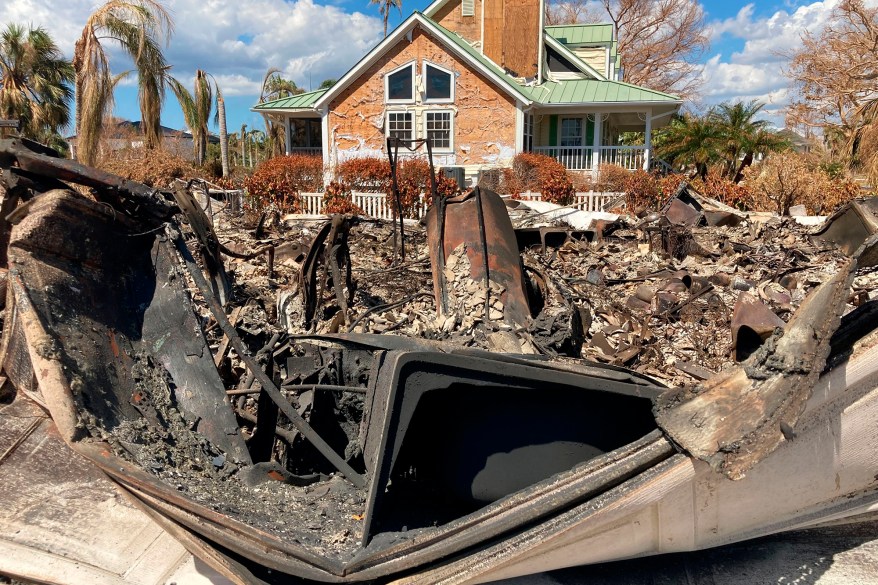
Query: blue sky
{"x": 311, "y": 40}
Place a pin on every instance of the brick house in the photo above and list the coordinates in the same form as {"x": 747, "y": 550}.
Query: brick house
{"x": 483, "y": 80}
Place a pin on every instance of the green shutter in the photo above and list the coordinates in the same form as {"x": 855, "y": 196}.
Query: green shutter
{"x": 553, "y": 130}
{"x": 589, "y": 131}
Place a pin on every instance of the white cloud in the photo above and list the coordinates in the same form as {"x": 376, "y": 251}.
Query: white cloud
{"x": 236, "y": 42}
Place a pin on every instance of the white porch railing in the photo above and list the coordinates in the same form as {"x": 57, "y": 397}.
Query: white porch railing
{"x": 375, "y": 204}
{"x": 586, "y": 200}
{"x": 582, "y": 158}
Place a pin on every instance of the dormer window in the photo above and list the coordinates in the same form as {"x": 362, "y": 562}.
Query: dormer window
{"x": 438, "y": 84}
{"x": 400, "y": 84}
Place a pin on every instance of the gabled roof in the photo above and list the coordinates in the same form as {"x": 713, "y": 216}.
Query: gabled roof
{"x": 453, "y": 42}
{"x": 295, "y": 102}
{"x": 574, "y": 91}
{"x": 581, "y": 34}
{"x": 572, "y": 57}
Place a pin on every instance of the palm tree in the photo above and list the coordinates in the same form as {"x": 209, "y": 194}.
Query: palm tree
{"x": 384, "y": 9}
{"x": 743, "y": 135}
{"x": 691, "y": 140}
{"x": 220, "y": 120}
{"x": 35, "y": 82}
{"x": 243, "y": 140}
{"x": 275, "y": 87}
{"x": 196, "y": 110}
{"x": 139, "y": 26}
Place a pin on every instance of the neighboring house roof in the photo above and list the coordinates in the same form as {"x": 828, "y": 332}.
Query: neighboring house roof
{"x": 301, "y": 101}
{"x": 581, "y": 34}
{"x": 574, "y": 91}
{"x": 135, "y": 127}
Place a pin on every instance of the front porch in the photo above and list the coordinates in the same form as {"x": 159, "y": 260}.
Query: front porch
{"x": 583, "y": 141}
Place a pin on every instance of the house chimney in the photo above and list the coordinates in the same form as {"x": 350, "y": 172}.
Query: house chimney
{"x": 513, "y": 34}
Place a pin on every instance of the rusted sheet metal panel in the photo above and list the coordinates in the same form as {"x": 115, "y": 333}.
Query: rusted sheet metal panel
{"x": 461, "y": 227}
{"x": 752, "y": 323}
{"x": 851, "y": 225}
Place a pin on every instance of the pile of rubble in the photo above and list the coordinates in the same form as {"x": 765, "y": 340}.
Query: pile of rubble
{"x": 278, "y": 390}
{"x": 675, "y": 316}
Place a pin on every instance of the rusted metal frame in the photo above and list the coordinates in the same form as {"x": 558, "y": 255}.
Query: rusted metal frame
{"x": 308, "y": 274}
{"x": 393, "y": 154}
{"x": 267, "y": 385}
{"x": 484, "y": 242}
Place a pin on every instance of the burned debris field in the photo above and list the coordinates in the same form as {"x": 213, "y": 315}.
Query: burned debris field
{"x": 345, "y": 399}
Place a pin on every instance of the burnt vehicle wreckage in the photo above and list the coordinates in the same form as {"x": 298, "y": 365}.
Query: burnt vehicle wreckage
{"x": 299, "y": 444}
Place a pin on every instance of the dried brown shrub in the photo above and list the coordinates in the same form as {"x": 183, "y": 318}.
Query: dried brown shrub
{"x": 611, "y": 178}
{"x": 787, "y": 179}
{"x": 337, "y": 199}
{"x": 413, "y": 179}
{"x": 156, "y": 167}
{"x": 364, "y": 174}
{"x": 538, "y": 172}
{"x": 277, "y": 182}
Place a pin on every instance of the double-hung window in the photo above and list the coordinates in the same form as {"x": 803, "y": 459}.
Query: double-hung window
{"x": 438, "y": 126}
{"x": 400, "y": 125}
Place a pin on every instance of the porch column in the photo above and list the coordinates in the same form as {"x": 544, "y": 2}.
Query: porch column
{"x": 288, "y": 136}
{"x": 647, "y": 141}
{"x": 596, "y": 152}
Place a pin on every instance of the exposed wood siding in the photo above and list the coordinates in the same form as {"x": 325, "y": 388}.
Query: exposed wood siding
{"x": 512, "y": 34}
{"x": 469, "y": 27}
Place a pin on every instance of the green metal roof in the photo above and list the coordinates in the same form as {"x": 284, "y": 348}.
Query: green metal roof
{"x": 576, "y": 91}
{"x": 582, "y": 34}
{"x": 300, "y": 101}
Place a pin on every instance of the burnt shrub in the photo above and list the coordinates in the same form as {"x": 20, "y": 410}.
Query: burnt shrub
{"x": 538, "y": 172}
{"x": 278, "y": 181}
{"x": 337, "y": 199}
{"x": 364, "y": 174}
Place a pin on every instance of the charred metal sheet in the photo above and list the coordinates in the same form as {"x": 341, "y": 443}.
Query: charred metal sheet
{"x": 115, "y": 295}
{"x": 490, "y": 247}
{"x": 752, "y": 323}
{"x": 208, "y": 242}
{"x": 688, "y": 207}
{"x": 735, "y": 419}
{"x": 851, "y": 225}
{"x": 135, "y": 197}
{"x": 552, "y": 237}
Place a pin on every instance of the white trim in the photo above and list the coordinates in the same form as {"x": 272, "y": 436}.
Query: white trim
{"x": 647, "y": 140}
{"x": 434, "y": 7}
{"x": 519, "y": 128}
{"x": 452, "y": 74}
{"x": 398, "y": 33}
{"x": 326, "y": 139}
{"x": 444, "y": 150}
{"x": 288, "y": 136}
{"x": 413, "y": 65}
{"x": 541, "y": 45}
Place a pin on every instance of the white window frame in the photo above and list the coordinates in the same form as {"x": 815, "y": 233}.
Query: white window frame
{"x": 528, "y": 133}
{"x": 450, "y": 113}
{"x": 448, "y": 100}
{"x": 411, "y": 65}
{"x": 409, "y": 113}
